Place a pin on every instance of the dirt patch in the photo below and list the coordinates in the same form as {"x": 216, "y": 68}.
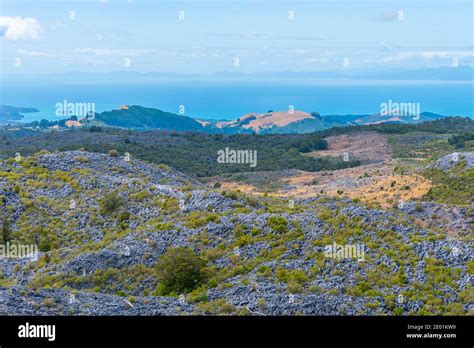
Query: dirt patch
{"x": 389, "y": 191}
{"x": 260, "y": 121}
{"x": 364, "y": 146}
{"x": 372, "y": 183}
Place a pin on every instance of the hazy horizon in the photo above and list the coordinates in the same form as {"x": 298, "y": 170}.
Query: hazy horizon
{"x": 205, "y": 36}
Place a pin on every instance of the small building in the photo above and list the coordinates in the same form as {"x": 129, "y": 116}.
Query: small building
{"x": 71, "y": 124}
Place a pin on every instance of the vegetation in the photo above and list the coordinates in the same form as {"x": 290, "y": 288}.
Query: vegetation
{"x": 139, "y": 117}
{"x": 276, "y": 239}
{"x": 180, "y": 270}
{"x": 455, "y": 186}
{"x": 192, "y": 153}
{"x": 113, "y": 153}
{"x": 110, "y": 203}
{"x": 278, "y": 224}
{"x": 460, "y": 141}
{"x": 6, "y": 232}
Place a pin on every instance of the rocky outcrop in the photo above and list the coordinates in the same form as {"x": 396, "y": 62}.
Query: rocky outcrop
{"x": 270, "y": 260}
{"x": 449, "y": 161}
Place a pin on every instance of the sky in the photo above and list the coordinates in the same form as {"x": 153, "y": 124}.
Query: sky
{"x": 244, "y": 36}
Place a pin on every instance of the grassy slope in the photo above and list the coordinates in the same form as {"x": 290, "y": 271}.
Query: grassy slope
{"x": 375, "y": 280}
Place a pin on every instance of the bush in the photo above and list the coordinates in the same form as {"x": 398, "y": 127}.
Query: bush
{"x": 44, "y": 245}
{"x": 6, "y": 230}
{"x": 180, "y": 270}
{"x": 113, "y": 153}
{"x": 278, "y": 224}
{"x": 197, "y": 295}
{"x": 198, "y": 219}
{"x": 123, "y": 217}
{"x": 470, "y": 266}
{"x": 110, "y": 203}
{"x": 418, "y": 207}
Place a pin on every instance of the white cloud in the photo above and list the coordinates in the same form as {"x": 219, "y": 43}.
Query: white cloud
{"x": 96, "y": 51}
{"x": 18, "y": 28}
{"x": 429, "y": 55}
{"x": 114, "y": 52}
{"x": 28, "y": 53}
{"x": 253, "y": 36}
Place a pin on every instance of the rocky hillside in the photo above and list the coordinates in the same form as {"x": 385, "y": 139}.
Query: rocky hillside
{"x": 118, "y": 236}
{"x": 449, "y": 161}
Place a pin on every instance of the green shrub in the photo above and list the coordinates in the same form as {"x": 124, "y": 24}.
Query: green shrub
{"x": 44, "y": 245}
{"x": 231, "y": 194}
{"x": 470, "y": 266}
{"x": 169, "y": 205}
{"x": 110, "y": 203}
{"x": 418, "y": 207}
{"x": 278, "y": 224}
{"x": 197, "y": 295}
{"x": 199, "y": 219}
{"x": 6, "y": 230}
{"x": 113, "y": 153}
{"x": 180, "y": 270}
{"x": 264, "y": 271}
{"x": 123, "y": 216}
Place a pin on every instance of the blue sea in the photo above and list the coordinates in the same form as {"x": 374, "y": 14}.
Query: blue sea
{"x": 229, "y": 100}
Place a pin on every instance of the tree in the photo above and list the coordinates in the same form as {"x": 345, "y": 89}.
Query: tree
{"x": 305, "y": 147}
{"x": 320, "y": 144}
{"x": 95, "y": 129}
{"x": 44, "y": 123}
{"x": 6, "y": 230}
{"x": 180, "y": 270}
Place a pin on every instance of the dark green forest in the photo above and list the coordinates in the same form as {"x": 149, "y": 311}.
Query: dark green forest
{"x": 196, "y": 153}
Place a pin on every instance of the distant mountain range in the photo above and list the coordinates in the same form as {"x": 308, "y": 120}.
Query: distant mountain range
{"x": 272, "y": 122}
{"x": 137, "y": 117}
{"x": 458, "y": 73}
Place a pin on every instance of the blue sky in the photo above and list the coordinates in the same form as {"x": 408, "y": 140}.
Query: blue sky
{"x": 235, "y": 36}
